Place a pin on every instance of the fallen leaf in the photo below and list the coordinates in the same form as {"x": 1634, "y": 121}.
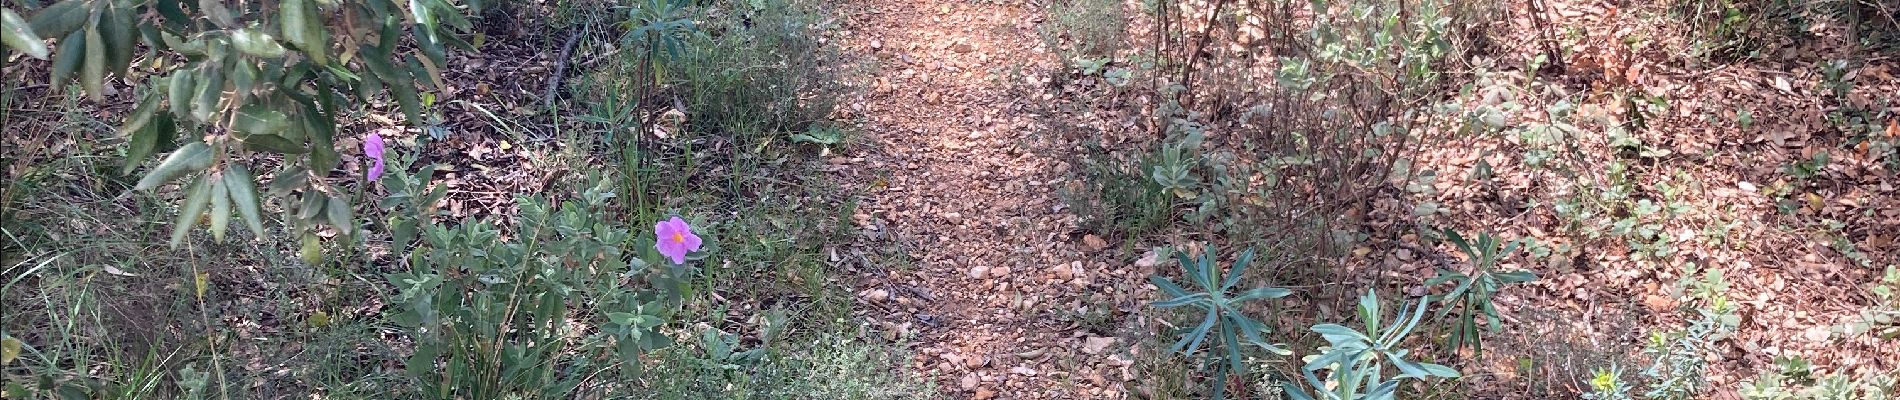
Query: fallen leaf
{"x": 10, "y": 349}
{"x": 116, "y": 271}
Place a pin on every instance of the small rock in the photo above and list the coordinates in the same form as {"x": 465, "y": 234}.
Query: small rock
{"x": 969, "y": 381}
{"x": 977, "y": 272}
{"x": 1095, "y": 345}
{"x": 1150, "y": 260}
{"x": 1817, "y": 334}
{"x": 973, "y": 362}
{"x": 1063, "y": 272}
{"x": 953, "y": 358}
{"x": 1094, "y": 243}
{"x": 876, "y": 44}
{"x": 1659, "y": 304}
{"x": 877, "y": 295}
{"x": 1024, "y": 371}
{"x": 999, "y": 272}
{"x": 963, "y": 47}
{"x": 985, "y": 394}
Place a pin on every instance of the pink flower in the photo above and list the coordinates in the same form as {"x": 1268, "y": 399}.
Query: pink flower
{"x": 373, "y": 147}
{"x": 675, "y": 239}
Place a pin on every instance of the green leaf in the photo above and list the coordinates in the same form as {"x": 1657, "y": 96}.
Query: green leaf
{"x": 1262, "y": 293}
{"x": 60, "y": 18}
{"x": 1192, "y": 343}
{"x": 256, "y": 43}
{"x": 1516, "y": 277}
{"x": 273, "y": 143}
{"x": 72, "y": 51}
{"x": 323, "y": 155}
{"x": 291, "y": 18}
{"x": 1338, "y": 334}
{"x": 1167, "y": 286}
{"x": 242, "y": 188}
{"x": 312, "y": 204}
{"x": 405, "y": 93}
{"x": 141, "y": 115}
{"x": 339, "y": 213}
{"x": 17, "y": 34}
{"x": 1438, "y": 370}
{"x": 1240, "y": 266}
{"x": 146, "y": 140}
{"x": 180, "y": 93}
{"x": 1233, "y": 348}
{"x": 209, "y": 93}
{"x": 121, "y": 34}
{"x": 1180, "y": 301}
{"x": 258, "y": 119}
{"x": 195, "y": 200}
{"x": 190, "y": 158}
{"x": 220, "y": 209}
{"x": 92, "y": 75}
{"x": 218, "y": 13}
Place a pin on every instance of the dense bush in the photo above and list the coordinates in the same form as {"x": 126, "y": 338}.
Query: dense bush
{"x": 220, "y": 84}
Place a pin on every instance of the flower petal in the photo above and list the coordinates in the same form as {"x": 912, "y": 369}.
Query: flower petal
{"x": 376, "y": 171}
{"x": 692, "y": 242}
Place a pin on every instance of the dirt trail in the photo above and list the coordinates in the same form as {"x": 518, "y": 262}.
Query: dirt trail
{"x": 959, "y": 182}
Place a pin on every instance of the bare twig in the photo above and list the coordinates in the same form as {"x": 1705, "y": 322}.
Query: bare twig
{"x": 560, "y": 67}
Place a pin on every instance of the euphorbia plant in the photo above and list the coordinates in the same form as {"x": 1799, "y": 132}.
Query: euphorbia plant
{"x": 1222, "y": 310}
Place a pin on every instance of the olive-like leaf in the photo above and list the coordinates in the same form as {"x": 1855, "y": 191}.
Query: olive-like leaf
{"x": 146, "y": 140}
{"x": 60, "y": 18}
{"x": 323, "y": 156}
{"x": 312, "y": 204}
{"x": 190, "y": 158}
{"x": 242, "y": 188}
{"x": 174, "y": 13}
{"x": 121, "y": 33}
{"x": 72, "y": 51}
{"x": 273, "y": 143}
{"x": 292, "y": 178}
{"x": 182, "y": 85}
{"x": 339, "y": 213}
{"x": 258, "y": 119}
{"x": 410, "y": 103}
{"x": 219, "y": 14}
{"x": 17, "y": 34}
{"x": 302, "y": 26}
{"x": 197, "y": 196}
{"x": 210, "y": 91}
{"x": 220, "y": 209}
{"x": 141, "y": 115}
{"x": 256, "y": 43}
{"x": 92, "y": 75}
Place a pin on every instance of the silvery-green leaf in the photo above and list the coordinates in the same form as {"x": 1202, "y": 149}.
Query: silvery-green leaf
{"x": 17, "y": 34}
{"x": 197, "y": 196}
{"x": 190, "y": 158}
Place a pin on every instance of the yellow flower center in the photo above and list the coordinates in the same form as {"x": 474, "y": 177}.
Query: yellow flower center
{"x": 678, "y": 238}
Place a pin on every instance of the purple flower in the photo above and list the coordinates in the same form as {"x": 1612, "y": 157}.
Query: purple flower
{"x": 373, "y": 147}
{"x": 675, "y": 239}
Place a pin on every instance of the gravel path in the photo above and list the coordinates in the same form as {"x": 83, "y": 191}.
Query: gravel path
{"x": 963, "y": 188}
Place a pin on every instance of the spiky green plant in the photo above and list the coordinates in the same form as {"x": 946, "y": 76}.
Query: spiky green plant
{"x": 1222, "y": 311}
{"x": 1472, "y": 293}
{"x": 1356, "y": 362}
